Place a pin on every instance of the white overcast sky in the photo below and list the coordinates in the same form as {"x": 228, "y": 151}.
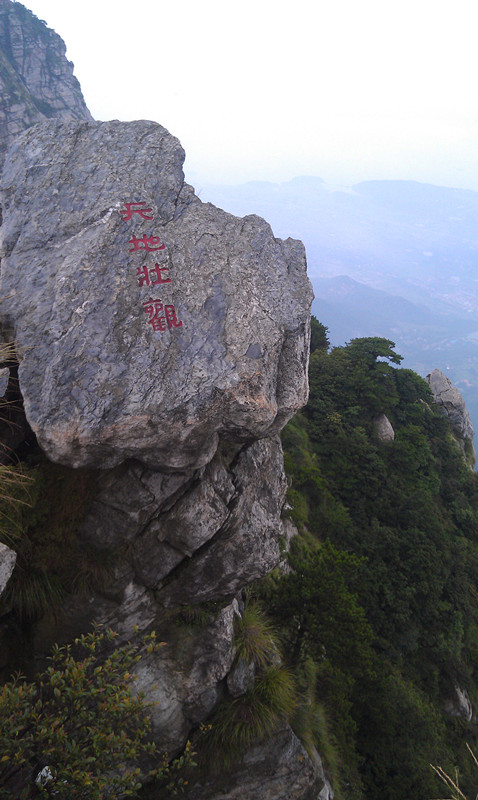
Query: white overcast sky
{"x": 346, "y": 90}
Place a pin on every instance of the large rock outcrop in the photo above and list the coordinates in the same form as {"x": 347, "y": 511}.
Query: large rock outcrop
{"x": 36, "y": 79}
{"x": 165, "y": 343}
{"x": 451, "y": 403}
{"x": 159, "y": 323}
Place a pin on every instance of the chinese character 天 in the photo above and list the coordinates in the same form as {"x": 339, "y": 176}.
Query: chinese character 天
{"x": 129, "y": 210}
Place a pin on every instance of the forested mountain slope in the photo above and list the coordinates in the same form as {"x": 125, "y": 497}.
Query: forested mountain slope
{"x": 379, "y": 612}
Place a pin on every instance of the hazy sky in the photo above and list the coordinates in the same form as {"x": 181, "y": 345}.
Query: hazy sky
{"x": 346, "y": 90}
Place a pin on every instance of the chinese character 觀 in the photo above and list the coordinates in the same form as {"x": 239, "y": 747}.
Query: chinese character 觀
{"x": 146, "y": 243}
{"x": 128, "y": 212}
{"x": 153, "y": 308}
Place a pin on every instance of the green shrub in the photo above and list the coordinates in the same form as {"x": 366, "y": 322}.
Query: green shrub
{"x": 254, "y": 716}
{"x": 254, "y": 637}
{"x": 80, "y": 720}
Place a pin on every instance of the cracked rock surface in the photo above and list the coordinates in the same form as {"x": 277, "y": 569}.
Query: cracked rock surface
{"x": 153, "y": 334}
{"x": 164, "y": 343}
{"x": 278, "y": 769}
{"x": 451, "y": 403}
{"x": 36, "y": 79}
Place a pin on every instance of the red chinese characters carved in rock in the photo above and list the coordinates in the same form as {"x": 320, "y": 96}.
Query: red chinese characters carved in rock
{"x": 129, "y": 210}
{"x": 146, "y": 276}
{"x": 147, "y": 243}
{"x": 160, "y": 316}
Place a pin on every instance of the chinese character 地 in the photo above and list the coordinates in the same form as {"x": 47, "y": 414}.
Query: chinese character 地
{"x": 155, "y": 308}
{"x": 128, "y": 211}
{"x": 144, "y": 276}
{"x": 146, "y": 243}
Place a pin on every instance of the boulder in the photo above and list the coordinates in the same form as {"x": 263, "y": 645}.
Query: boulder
{"x": 160, "y": 323}
{"x": 459, "y": 705}
{"x": 7, "y": 564}
{"x": 383, "y": 429}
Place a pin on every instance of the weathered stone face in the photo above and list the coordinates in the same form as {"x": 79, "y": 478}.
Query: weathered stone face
{"x": 277, "y": 769}
{"x": 7, "y": 564}
{"x": 451, "y": 403}
{"x": 36, "y": 79}
{"x": 383, "y": 429}
{"x": 106, "y": 374}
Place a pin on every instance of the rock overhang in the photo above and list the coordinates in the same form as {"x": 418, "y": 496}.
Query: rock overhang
{"x": 148, "y": 324}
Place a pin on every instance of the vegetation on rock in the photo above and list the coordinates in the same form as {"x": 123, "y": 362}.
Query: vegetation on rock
{"x": 379, "y": 612}
{"x": 78, "y": 730}
{"x": 261, "y": 708}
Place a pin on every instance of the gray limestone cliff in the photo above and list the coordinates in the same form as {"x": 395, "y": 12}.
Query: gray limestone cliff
{"x": 160, "y": 346}
{"x": 36, "y": 79}
{"x": 452, "y": 405}
{"x": 160, "y": 323}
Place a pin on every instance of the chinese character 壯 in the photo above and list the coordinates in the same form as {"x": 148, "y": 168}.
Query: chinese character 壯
{"x": 146, "y": 243}
{"x": 144, "y": 276}
{"x": 153, "y": 308}
{"x": 128, "y": 212}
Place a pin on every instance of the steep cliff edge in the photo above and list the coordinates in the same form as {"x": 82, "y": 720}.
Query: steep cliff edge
{"x": 36, "y": 79}
{"x": 162, "y": 345}
{"x": 452, "y": 406}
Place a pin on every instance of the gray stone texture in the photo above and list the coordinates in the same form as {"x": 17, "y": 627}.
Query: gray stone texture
{"x": 247, "y": 546}
{"x": 184, "y": 680}
{"x": 241, "y": 678}
{"x": 193, "y": 537}
{"x": 36, "y": 79}
{"x": 278, "y": 769}
{"x": 383, "y": 429}
{"x": 100, "y": 385}
{"x": 451, "y": 403}
{"x": 7, "y": 564}
{"x": 4, "y": 378}
{"x": 459, "y": 705}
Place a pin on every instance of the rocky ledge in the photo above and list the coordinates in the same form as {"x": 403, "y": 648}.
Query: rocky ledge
{"x": 162, "y": 344}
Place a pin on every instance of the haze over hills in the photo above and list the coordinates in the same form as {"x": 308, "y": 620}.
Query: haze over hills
{"x": 386, "y": 258}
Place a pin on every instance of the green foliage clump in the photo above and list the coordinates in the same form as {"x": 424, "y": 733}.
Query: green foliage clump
{"x": 250, "y": 718}
{"x": 254, "y": 637}
{"x": 381, "y": 599}
{"x": 80, "y": 720}
{"x": 268, "y": 703}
